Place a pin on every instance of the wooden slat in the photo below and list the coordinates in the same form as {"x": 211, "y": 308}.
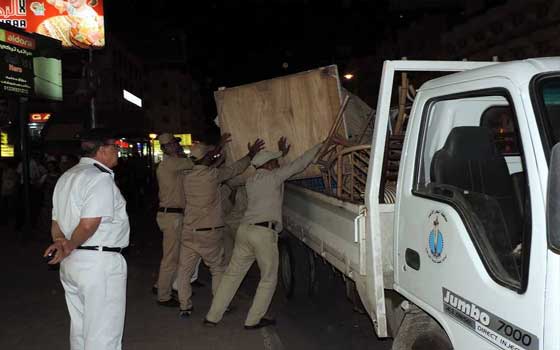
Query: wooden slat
{"x": 302, "y": 107}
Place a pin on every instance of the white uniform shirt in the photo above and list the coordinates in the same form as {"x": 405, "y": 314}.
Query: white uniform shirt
{"x": 86, "y": 191}
{"x": 265, "y": 190}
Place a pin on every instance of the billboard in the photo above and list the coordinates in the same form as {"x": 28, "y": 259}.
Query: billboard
{"x": 76, "y": 23}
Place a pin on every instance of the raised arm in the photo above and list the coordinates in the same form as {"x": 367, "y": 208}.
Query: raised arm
{"x": 298, "y": 165}
{"x": 227, "y": 172}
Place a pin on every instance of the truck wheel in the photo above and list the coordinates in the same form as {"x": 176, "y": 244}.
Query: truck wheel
{"x": 286, "y": 267}
{"x": 312, "y": 283}
{"x": 421, "y": 332}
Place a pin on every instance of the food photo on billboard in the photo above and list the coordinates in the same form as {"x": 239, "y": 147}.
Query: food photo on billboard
{"x": 76, "y": 23}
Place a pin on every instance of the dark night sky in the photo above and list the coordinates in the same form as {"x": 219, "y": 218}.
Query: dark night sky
{"x": 236, "y": 41}
{"x": 231, "y": 42}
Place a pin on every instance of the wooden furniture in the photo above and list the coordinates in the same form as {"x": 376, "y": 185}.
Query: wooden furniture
{"x": 302, "y": 107}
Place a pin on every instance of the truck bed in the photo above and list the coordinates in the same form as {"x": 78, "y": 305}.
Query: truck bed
{"x": 328, "y": 226}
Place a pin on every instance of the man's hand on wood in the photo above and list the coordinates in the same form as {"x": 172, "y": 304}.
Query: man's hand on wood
{"x": 255, "y": 148}
{"x": 283, "y": 146}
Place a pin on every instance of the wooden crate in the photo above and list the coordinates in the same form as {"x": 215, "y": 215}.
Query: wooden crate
{"x": 301, "y": 107}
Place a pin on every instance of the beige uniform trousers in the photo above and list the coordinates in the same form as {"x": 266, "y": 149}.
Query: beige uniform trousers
{"x": 171, "y": 224}
{"x": 230, "y": 229}
{"x": 251, "y": 243}
{"x": 208, "y": 245}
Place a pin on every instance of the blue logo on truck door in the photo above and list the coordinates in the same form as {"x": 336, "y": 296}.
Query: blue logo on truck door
{"x": 436, "y": 244}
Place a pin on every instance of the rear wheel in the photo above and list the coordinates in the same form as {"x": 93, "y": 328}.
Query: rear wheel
{"x": 286, "y": 267}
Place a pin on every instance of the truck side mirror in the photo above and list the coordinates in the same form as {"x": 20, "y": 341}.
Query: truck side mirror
{"x": 553, "y": 201}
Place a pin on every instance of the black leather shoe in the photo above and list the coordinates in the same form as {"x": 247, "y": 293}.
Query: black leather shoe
{"x": 264, "y": 322}
{"x": 169, "y": 303}
{"x": 209, "y": 323}
{"x": 185, "y": 313}
{"x": 197, "y": 284}
{"x": 229, "y": 309}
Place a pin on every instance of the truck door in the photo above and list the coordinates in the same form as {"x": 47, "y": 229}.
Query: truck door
{"x": 464, "y": 216}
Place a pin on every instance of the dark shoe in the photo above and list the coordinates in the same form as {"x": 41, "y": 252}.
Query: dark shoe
{"x": 169, "y": 303}
{"x": 174, "y": 292}
{"x": 229, "y": 309}
{"x": 264, "y": 322}
{"x": 197, "y": 284}
{"x": 185, "y": 313}
{"x": 207, "y": 323}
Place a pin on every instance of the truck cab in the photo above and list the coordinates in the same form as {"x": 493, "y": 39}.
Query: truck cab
{"x": 470, "y": 218}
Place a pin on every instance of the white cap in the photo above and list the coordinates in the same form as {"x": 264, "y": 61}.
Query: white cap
{"x": 264, "y": 157}
{"x": 199, "y": 150}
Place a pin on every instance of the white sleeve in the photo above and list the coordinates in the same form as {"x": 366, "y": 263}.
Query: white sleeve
{"x": 99, "y": 198}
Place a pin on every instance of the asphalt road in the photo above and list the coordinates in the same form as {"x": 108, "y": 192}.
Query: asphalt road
{"x": 34, "y": 314}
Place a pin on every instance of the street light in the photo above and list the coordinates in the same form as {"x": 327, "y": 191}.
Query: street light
{"x": 348, "y": 76}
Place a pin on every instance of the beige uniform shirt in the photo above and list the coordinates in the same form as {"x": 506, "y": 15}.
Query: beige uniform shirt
{"x": 202, "y": 190}
{"x": 265, "y": 190}
{"x": 233, "y": 204}
{"x": 169, "y": 174}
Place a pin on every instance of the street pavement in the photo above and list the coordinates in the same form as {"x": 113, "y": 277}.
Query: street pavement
{"x": 34, "y": 315}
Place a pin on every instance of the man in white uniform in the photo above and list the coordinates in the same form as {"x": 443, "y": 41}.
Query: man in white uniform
{"x": 90, "y": 228}
{"x": 257, "y": 236}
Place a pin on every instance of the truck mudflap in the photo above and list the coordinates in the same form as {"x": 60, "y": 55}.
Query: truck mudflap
{"x": 336, "y": 230}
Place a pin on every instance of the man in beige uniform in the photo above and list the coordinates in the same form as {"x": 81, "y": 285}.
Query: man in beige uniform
{"x": 234, "y": 204}
{"x": 257, "y": 236}
{"x": 170, "y": 212}
{"x": 203, "y": 222}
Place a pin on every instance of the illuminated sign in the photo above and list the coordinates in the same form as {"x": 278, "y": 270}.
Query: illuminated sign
{"x": 16, "y": 63}
{"x": 121, "y": 143}
{"x": 7, "y": 151}
{"x": 186, "y": 139}
{"x": 77, "y": 23}
{"x": 3, "y": 138}
{"x": 132, "y": 98}
{"x": 39, "y": 117}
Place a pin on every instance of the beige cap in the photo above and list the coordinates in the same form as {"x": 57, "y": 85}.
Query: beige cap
{"x": 199, "y": 150}
{"x": 264, "y": 157}
{"x": 166, "y": 138}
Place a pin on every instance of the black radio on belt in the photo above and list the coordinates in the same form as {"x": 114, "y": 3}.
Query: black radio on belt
{"x": 268, "y": 224}
{"x": 171, "y": 210}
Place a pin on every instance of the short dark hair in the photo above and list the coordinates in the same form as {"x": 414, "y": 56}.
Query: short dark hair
{"x": 93, "y": 139}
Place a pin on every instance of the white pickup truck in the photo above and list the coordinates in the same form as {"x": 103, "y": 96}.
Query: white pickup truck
{"x": 467, "y": 254}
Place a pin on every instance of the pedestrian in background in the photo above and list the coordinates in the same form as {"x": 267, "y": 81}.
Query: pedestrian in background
{"x": 48, "y": 183}
{"x": 8, "y": 191}
{"x": 257, "y": 236}
{"x": 90, "y": 228}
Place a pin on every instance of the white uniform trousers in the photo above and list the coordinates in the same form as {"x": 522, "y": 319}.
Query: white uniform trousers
{"x": 95, "y": 288}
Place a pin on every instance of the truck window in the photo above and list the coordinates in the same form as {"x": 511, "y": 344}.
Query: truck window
{"x": 462, "y": 162}
{"x": 546, "y": 99}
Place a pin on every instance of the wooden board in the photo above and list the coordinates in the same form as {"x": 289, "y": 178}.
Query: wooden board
{"x": 301, "y": 107}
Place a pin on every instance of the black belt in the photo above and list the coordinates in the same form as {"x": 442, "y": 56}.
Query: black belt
{"x": 103, "y": 249}
{"x": 208, "y": 228}
{"x": 268, "y": 224}
{"x": 171, "y": 210}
